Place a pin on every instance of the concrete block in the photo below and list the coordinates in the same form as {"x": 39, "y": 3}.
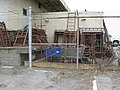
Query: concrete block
{"x": 8, "y": 70}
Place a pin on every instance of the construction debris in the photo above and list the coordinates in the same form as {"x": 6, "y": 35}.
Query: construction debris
{"x": 38, "y": 36}
{"x": 94, "y": 42}
{"x": 20, "y": 37}
{"x": 4, "y": 36}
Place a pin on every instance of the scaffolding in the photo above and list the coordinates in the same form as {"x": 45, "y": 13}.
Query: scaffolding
{"x": 90, "y": 42}
{"x": 92, "y": 39}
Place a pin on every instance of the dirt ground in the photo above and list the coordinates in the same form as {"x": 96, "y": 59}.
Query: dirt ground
{"x": 24, "y": 78}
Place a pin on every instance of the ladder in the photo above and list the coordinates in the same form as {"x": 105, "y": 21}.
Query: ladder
{"x": 71, "y": 21}
{"x": 4, "y": 36}
{"x": 21, "y": 38}
{"x": 69, "y": 34}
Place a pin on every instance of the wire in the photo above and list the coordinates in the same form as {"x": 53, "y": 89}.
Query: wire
{"x": 12, "y": 17}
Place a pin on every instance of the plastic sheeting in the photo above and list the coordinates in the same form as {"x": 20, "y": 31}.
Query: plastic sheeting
{"x": 53, "y": 52}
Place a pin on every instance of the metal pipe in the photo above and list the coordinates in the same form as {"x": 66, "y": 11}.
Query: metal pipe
{"x": 77, "y": 41}
{"x": 78, "y": 17}
{"x": 30, "y": 37}
{"x": 37, "y": 44}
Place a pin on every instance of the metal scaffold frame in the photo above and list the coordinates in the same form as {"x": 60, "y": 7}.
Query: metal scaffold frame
{"x": 73, "y": 36}
{"x": 70, "y": 33}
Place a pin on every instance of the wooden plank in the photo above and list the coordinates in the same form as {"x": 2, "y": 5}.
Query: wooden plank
{"x": 26, "y": 34}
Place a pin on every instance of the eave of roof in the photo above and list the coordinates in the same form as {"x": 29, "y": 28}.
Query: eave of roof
{"x": 54, "y": 5}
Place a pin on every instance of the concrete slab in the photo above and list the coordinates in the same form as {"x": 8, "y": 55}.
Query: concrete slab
{"x": 8, "y": 70}
{"x": 103, "y": 83}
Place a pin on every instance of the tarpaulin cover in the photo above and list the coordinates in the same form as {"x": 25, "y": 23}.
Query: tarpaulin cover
{"x": 53, "y": 52}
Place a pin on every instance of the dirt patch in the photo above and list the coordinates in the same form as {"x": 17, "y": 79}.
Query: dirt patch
{"x": 54, "y": 79}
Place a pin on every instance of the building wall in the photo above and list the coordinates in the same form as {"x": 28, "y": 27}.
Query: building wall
{"x": 14, "y": 56}
{"x": 50, "y": 25}
{"x": 9, "y": 56}
{"x": 11, "y": 12}
{"x": 90, "y": 22}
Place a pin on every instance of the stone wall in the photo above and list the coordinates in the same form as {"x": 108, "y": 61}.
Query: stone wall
{"x": 10, "y": 56}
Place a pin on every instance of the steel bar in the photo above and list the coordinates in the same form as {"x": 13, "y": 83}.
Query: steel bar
{"x": 30, "y": 38}
{"x": 37, "y": 44}
{"x": 77, "y": 40}
{"x": 79, "y": 17}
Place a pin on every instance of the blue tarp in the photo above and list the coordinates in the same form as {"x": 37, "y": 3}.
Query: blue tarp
{"x": 53, "y": 52}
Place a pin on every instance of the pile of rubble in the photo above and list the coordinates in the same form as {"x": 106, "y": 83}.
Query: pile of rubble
{"x": 20, "y": 37}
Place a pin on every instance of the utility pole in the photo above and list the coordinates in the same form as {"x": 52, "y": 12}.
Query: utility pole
{"x": 30, "y": 37}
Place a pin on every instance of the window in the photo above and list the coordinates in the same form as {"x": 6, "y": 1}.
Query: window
{"x": 24, "y": 11}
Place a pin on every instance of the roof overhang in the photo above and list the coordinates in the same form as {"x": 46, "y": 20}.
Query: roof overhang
{"x": 54, "y": 5}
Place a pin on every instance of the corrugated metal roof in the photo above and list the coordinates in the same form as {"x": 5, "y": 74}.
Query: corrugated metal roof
{"x": 54, "y": 5}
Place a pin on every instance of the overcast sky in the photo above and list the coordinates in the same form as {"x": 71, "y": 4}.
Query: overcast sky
{"x": 109, "y": 7}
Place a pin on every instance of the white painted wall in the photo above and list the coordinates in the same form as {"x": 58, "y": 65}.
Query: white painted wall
{"x": 11, "y": 12}
{"x": 50, "y": 25}
{"x": 91, "y": 22}
{"x": 61, "y": 24}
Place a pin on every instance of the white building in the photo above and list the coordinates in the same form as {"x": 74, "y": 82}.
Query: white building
{"x": 14, "y": 12}
{"x": 53, "y": 17}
